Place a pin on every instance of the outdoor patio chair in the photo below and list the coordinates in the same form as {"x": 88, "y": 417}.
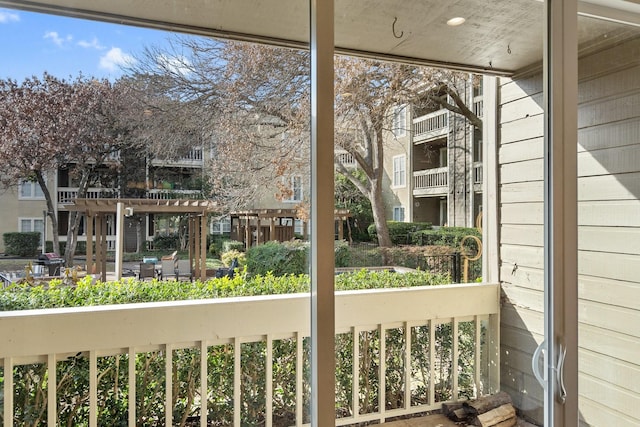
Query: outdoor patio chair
{"x": 183, "y": 269}
{"x": 147, "y": 270}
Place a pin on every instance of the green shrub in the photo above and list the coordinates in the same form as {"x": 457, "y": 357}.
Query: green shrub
{"x": 278, "y": 258}
{"x": 165, "y": 243}
{"x": 446, "y": 236}
{"x": 230, "y": 245}
{"x": 228, "y": 257}
{"x": 81, "y": 248}
{"x": 22, "y": 244}
{"x": 400, "y": 232}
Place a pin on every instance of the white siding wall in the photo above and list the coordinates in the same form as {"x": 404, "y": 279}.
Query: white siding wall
{"x": 609, "y": 236}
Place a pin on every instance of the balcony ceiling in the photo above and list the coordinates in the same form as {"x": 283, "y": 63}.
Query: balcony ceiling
{"x": 498, "y": 37}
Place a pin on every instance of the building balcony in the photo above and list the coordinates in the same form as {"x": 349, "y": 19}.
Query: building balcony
{"x": 431, "y": 182}
{"x": 452, "y": 331}
{"x": 430, "y": 126}
{"x": 193, "y": 159}
{"x": 345, "y": 158}
{"x": 68, "y": 195}
{"x": 161, "y": 194}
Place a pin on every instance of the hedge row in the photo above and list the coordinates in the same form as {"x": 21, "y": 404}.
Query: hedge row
{"x": 22, "y": 244}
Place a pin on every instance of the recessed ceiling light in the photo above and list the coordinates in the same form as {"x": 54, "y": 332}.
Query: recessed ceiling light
{"x": 454, "y": 22}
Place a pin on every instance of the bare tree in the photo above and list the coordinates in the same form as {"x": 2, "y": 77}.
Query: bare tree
{"x": 49, "y": 124}
{"x": 255, "y": 102}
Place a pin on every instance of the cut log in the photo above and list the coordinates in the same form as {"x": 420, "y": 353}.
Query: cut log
{"x": 454, "y": 411}
{"x": 449, "y": 407}
{"x": 496, "y": 416}
{"x": 486, "y": 403}
{"x": 511, "y": 422}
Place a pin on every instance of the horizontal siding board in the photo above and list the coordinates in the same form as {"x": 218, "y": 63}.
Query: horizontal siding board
{"x": 526, "y": 171}
{"x": 526, "y": 318}
{"x": 522, "y": 213}
{"x": 524, "y": 256}
{"x": 609, "y": 318}
{"x": 528, "y": 235}
{"x": 525, "y": 277}
{"x": 610, "y": 84}
{"x": 522, "y": 192}
{"x": 512, "y": 90}
{"x": 520, "y": 130}
{"x": 613, "y": 344}
{"x": 618, "y": 400}
{"x": 604, "y": 62}
{"x": 609, "y": 135}
{"x": 521, "y": 150}
{"x": 624, "y": 375}
{"x": 593, "y": 413}
{"x": 611, "y": 187}
{"x": 616, "y": 213}
{"x": 609, "y": 110}
{"x": 609, "y": 265}
{"x": 522, "y": 108}
{"x": 607, "y": 291}
{"x": 611, "y": 161}
{"x": 622, "y": 240}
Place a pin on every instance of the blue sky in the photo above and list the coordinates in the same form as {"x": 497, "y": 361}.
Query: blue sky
{"x": 32, "y": 43}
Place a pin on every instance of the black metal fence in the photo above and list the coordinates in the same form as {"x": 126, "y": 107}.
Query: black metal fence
{"x": 455, "y": 265}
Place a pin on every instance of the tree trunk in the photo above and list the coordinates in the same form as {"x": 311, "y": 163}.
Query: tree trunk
{"x": 51, "y": 212}
{"x": 379, "y": 216}
{"x": 74, "y": 221}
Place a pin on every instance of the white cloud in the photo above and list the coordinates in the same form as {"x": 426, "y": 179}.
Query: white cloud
{"x": 93, "y": 44}
{"x": 6, "y": 17}
{"x": 56, "y": 38}
{"x": 178, "y": 65}
{"x": 115, "y": 58}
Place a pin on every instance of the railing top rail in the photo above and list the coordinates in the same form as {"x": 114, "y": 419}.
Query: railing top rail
{"x": 431, "y": 171}
{"x": 67, "y": 330}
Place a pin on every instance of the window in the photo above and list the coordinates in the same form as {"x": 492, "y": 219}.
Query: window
{"x": 221, "y": 227}
{"x": 400, "y": 121}
{"x": 294, "y": 186}
{"x": 31, "y": 224}
{"x": 399, "y": 170}
{"x": 398, "y": 213}
{"x": 30, "y": 190}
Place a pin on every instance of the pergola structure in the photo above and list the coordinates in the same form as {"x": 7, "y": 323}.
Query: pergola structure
{"x": 256, "y": 226}
{"x": 97, "y": 210}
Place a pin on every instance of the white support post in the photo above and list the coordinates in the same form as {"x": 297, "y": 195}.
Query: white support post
{"x": 119, "y": 239}
{"x": 322, "y": 218}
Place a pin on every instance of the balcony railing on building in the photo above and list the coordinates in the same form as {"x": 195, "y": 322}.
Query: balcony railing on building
{"x": 430, "y": 126}
{"x": 195, "y": 157}
{"x": 160, "y": 194}
{"x": 431, "y": 181}
{"x": 477, "y": 172}
{"x": 67, "y": 195}
{"x": 345, "y": 158}
{"x": 439, "y": 343}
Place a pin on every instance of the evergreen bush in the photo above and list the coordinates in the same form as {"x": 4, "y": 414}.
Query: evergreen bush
{"x": 400, "y": 232}
{"x": 22, "y": 244}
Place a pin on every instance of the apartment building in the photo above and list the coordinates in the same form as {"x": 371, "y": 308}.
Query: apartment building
{"x": 433, "y": 164}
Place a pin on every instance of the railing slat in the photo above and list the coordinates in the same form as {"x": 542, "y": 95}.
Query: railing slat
{"x": 432, "y": 362}
{"x": 455, "y": 356}
{"x": 269, "y": 382}
{"x": 382, "y": 387}
{"x": 168, "y": 384}
{"x": 407, "y": 364}
{"x": 52, "y": 386}
{"x": 356, "y": 373}
{"x": 299, "y": 377}
{"x": 204, "y": 352}
{"x": 132, "y": 387}
{"x": 237, "y": 371}
{"x": 477, "y": 353}
{"x": 8, "y": 392}
{"x": 93, "y": 389}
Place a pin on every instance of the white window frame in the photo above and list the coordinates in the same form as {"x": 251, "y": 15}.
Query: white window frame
{"x": 399, "y": 171}
{"x": 222, "y": 226}
{"x": 399, "y": 122}
{"x": 398, "y": 213}
{"x": 32, "y": 224}
{"x": 290, "y": 183}
{"x": 34, "y": 190}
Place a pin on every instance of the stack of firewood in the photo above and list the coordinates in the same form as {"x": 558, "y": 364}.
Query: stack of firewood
{"x": 494, "y": 410}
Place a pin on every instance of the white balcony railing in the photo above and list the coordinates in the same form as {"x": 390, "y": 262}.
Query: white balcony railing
{"x": 173, "y": 194}
{"x": 69, "y": 194}
{"x": 478, "y": 106}
{"x": 195, "y": 157}
{"x": 47, "y": 338}
{"x": 430, "y": 126}
{"x": 431, "y": 178}
{"x": 345, "y": 158}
